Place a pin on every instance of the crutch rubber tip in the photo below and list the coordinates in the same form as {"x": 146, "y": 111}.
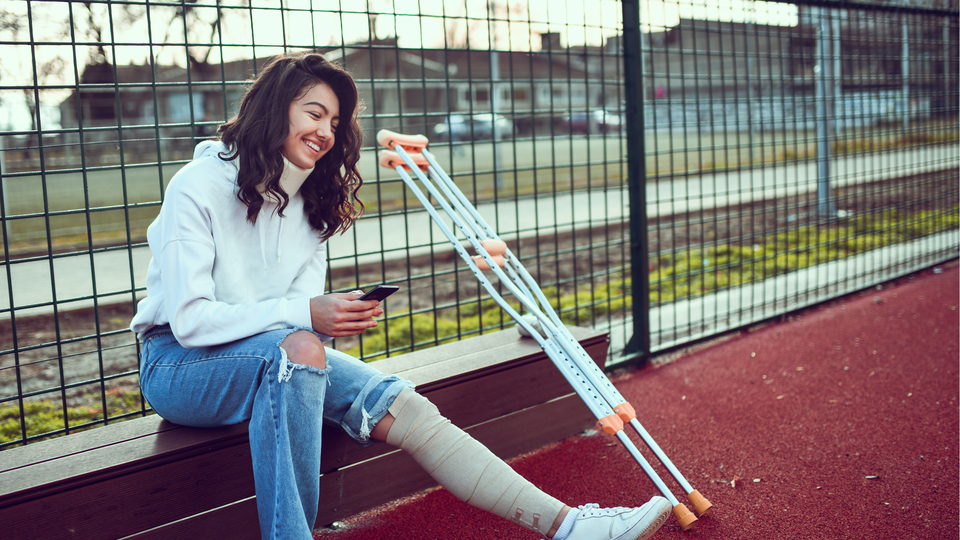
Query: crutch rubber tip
{"x": 494, "y": 247}
{"x": 699, "y": 502}
{"x": 482, "y": 264}
{"x": 684, "y": 516}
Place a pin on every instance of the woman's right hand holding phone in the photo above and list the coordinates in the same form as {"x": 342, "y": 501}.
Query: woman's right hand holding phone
{"x": 343, "y": 314}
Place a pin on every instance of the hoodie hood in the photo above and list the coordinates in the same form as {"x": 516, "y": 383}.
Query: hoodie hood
{"x": 209, "y": 148}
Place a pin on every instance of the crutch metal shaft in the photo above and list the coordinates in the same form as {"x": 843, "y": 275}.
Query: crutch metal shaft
{"x": 590, "y": 383}
{"x": 613, "y": 396}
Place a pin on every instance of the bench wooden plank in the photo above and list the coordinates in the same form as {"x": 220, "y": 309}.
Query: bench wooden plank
{"x": 170, "y": 444}
{"x": 468, "y": 359}
{"x": 74, "y": 444}
{"x": 237, "y": 521}
{"x": 135, "y": 500}
{"x": 157, "y": 480}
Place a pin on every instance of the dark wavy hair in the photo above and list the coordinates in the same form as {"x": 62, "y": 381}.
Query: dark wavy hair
{"x": 257, "y": 133}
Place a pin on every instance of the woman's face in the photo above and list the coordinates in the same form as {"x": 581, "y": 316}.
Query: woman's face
{"x": 314, "y": 117}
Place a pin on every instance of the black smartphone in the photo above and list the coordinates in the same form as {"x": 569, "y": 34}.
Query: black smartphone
{"x": 380, "y": 292}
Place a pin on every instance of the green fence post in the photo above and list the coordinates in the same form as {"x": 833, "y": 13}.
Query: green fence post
{"x": 639, "y": 345}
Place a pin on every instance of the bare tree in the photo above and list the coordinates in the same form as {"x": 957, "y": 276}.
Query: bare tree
{"x": 458, "y": 28}
{"x": 24, "y": 70}
{"x": 191, "y": 23}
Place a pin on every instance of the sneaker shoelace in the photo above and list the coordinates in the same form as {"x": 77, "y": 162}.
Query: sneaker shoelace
{"x": 594, "y": 510}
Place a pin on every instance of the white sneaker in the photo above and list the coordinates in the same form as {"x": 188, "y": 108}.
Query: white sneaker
{"x": 595, "y": 523}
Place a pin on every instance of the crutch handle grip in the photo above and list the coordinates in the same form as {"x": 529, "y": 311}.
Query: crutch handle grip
{"x": 494, "y": 247}
{"x": 482, "y": 264}
{"x": 391, "y": 160}
{"x": 389, "y": 139}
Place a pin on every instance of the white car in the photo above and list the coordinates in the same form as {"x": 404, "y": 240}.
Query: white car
{"x": 595, "y": 121}
{"x": 477, "y": 127}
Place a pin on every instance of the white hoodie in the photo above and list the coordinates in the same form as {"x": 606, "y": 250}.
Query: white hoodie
{"x": 215, "y": 277}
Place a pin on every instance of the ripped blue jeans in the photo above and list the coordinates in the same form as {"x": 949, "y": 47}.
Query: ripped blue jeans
{"x": 286, "y": 404}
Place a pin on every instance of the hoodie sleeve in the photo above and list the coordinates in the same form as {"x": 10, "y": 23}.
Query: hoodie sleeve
{"x": 186, "y": 259}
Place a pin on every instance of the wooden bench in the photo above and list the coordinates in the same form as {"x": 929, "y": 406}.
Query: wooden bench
{"x": 150, "y": 479}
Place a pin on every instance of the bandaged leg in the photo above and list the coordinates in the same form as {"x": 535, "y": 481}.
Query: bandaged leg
{"x": 466, "y": 468}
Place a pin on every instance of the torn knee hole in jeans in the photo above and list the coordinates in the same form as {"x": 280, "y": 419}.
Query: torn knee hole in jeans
{"x": 287, "y": 367}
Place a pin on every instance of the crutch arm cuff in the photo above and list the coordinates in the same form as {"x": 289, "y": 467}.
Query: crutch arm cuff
{"x": 389, "y": 139}
{"x": 391, "y": 160}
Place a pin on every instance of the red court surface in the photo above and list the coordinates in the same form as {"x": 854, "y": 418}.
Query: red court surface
{"x": 840, "y": 421}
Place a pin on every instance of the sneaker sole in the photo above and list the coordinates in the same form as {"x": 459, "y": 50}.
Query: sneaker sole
{"x": 657, "y": 523}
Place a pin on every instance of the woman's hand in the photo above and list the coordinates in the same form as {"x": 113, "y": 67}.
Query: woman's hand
{"x": 341, "y": 314}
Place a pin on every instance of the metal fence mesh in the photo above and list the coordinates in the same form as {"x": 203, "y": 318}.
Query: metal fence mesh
{"x": 789, "y": 161}
{"x": 788, "y": 153}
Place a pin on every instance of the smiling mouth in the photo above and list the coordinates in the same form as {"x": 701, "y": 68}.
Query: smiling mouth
{"x": 313, "y": 146}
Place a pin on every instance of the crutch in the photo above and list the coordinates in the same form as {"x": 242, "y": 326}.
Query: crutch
{"x": 590, "y": 383}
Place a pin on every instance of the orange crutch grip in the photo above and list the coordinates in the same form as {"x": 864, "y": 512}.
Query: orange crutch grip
{"x": 482, "y": 264}
{"x": 390, "y": 160}
{"x": 389, "y": 139}
{"x": 699, "y": 502}
{"x": 494, "y": 247}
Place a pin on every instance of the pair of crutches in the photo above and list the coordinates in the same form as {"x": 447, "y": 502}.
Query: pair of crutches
{"x": 408, "y": 154}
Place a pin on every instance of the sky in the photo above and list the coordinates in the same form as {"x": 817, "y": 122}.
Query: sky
{"x": 515, "y": 25}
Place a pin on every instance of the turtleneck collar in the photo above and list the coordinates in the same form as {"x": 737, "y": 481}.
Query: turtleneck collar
{"x": 291, "y": 179}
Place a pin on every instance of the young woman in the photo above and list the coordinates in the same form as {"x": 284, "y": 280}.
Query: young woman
{"x": 235, "y": 319}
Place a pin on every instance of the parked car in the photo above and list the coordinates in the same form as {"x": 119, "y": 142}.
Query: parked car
{"x": 595, "y": 121}
{"x": 477, "y": 127}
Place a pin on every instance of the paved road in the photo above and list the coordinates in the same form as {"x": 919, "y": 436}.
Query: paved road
{"x": 118, "y": 272}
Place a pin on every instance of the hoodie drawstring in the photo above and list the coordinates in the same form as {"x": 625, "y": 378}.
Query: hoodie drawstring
{"x": 280, "y": 241}
{"x": 263, "y": 240}
{"x": 263, "y": 243}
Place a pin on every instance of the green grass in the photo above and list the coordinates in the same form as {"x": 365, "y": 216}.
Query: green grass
{"x": 47, "y": 416}
{"x": 698, "y": 271}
